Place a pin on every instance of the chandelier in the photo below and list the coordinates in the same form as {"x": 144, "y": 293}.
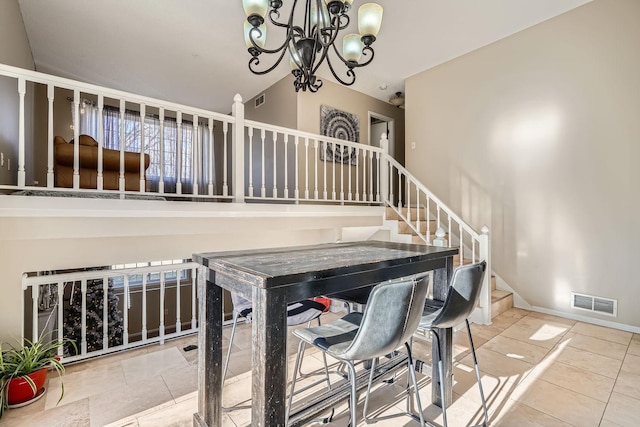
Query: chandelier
{"x": 312, "y": 39}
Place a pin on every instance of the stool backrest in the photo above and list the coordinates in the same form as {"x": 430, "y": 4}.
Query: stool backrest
{"x": 462, "y": 295}
{"x": 391, "y": 316}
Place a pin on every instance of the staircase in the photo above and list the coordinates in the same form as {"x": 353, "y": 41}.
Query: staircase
{"x": 501, "y": 301}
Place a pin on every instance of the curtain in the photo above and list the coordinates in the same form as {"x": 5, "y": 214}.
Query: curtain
{"x": 152, "y": 145}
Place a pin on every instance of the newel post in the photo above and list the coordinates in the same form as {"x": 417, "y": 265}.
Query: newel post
{"x": 384, "y": 169}
{"x": 485, "y": 293}
{"x": 237, "y": 150}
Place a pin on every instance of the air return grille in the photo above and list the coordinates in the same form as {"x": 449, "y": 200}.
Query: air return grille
{"x": 595, "y": 304}
{"x": 259, "y": 100}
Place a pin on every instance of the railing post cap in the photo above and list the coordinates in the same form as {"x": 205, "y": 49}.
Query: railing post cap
{"x": 237, "y": 98}
{"x": 441, "y": 232}
{"x": 484, "y": 229}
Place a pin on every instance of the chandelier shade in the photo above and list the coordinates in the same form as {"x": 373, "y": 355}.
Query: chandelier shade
{"x": 310, "y": 38}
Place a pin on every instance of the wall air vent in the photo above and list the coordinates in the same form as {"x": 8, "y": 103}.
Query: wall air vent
{"x": 594, "y": 304}
{"x": 259, "y": 100}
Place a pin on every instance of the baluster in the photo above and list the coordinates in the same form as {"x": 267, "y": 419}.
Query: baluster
{"x": 325, "y": 146}
{"x": 125, "y": 311}
{"x": 250, "y": 130}
{"x": 60, "y": 289}
{"x": 194, "y": 322}
{"x": 418, "y": 209}
{"x": 22, "y": 90}
{"x": 371, "y": 183}
{"x": 315, "y": 162}
{"x": 122, "y": 109}
{"x": 364, "y": 176}
{"x": 349, "y": 192}
{"x": 178, "y": 323}
{"x": 408, "y": 182}
{"x": 263, "y": 188}
{"x": 225, "y": 133}
{"x": 100, "y": 178}
{"x": 143, "y": 112}
{"x": 179, "y": 152}
{"x": 461, "y": 243}
{"x": 438, "y": 215}
{"x": 195, "y": 155}
{"x": 161, "y": 326}
{"x": 105, "y": 313}
{"x": 296, "y": 192}
{"x": 35, "y": 297}
{"x": 379, "y": 160}
{"x": 161, "y": 166}
{"x": 76, "y": 140}
{"x": 275, "y": 187}
{"x": 449, "y": 230}
{"x": 400, "y": 191}
{"x": 211, "y": 148}
{"x": 390, "y": 179}
{"x": 83, "y": 320}
{"x": 473, "y": 250}
{"x": 333, "y": 172}
{"x": 50, "y": 176}
{"x": 306, "y": 168}
{"x": 286, "y": 166}
{"x": 144, "y": 308}
{"x": 428, "y": 219}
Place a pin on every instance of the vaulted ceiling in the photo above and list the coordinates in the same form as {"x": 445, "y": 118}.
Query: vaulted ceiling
{"x": 193, "y": 51}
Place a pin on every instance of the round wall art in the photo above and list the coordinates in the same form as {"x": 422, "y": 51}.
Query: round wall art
{"x": 341, "y": 125}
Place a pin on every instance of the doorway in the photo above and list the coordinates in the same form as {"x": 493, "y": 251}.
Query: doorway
{"x": 379, "y": 124}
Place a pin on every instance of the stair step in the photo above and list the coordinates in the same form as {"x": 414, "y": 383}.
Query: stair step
{"x": 405, "y": 228}
{"x": 391, "y": 213}
{"x": 501, "y": 301}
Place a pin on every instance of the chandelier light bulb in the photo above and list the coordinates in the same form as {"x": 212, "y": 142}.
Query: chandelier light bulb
{"x": 352, "y": 47}
{"x": 255, "y": 7}
{"x": 369, "y": 19}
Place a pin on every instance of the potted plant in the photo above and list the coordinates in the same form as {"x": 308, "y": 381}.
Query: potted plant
{"x": 24, "y": 368}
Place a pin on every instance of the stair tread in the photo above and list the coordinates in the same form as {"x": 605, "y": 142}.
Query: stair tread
{"x": 497, "y": 295}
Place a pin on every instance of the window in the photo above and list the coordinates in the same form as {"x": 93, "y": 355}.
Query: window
{"x": 152, "y": 278}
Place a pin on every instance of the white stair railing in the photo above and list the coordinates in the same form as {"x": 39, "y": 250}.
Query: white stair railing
{"x": 132, "y": 295}
{"x": 425, "y": 214}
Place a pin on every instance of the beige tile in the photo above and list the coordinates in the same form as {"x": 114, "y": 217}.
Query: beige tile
{"x": 79, "y": 385}
{"x": 634, "y": 346}
{"x": 589, "y": 361}
{"x": 579, "y": 380}
{"x": 75, "y": 414}
{"x": 607, "y": 423}
{"x": 516, "y": 349}
{"x": 498, "y": 365}
{"x": 623, "y": 410}
{"x": 181, "y": 381}
{"x": 130, "y": 402}
{"x": 596, "y": 345}
{"x": 504, "y": 320}
{"x": 484, "y": 332}
{"x": 517, "y": 414}
{"x": 552, "y": 318}
{"x": 608, "y": 334}
{"x": 178, "y": 415}
{"x": 496, "y": 389}
{"x": 558, "y": 402}
{"x": 631, "y": 364}
{"x": 546, "y": 336}
{"x": 152, "y": 364}
{"x": 534, "y": 322}
{"x": 629, "y": 385}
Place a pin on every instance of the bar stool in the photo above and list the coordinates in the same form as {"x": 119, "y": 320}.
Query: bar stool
{"x": 298, "y": 313}
{"x": 462, "y": 298}
{"x": 390, "y": 318}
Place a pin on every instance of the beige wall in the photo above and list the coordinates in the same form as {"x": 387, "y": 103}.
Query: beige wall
{"x": 15, "y": 51}
{"x": 538, "y": 136}
{"x": 56, "y": 233}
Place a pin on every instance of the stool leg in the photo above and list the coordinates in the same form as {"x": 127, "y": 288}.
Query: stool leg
{"x": 441, "y": 376}
{"x": 354, "y": 397}
{"x": 477, "y": 369}
{"x": 233, "y": 333}
{"x": 374, "y": 361}
{"x": 412, "y": 372}
{"x": 301, "y": 346}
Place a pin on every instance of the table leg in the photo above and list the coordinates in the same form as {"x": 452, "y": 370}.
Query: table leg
{"x": 269, "y": 358}
{"x": 441, "y": 279}
{"x": 209, "y": 353}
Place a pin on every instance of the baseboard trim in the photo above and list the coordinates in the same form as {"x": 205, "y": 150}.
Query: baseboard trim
{"x": 585, "y": 319}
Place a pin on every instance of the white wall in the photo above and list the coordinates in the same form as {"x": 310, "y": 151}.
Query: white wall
{"x": 538, "y": 136}
{"x": 40, "y": 233}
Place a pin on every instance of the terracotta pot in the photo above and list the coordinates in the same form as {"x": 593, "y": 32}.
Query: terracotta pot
{"x": 20, "y": 391}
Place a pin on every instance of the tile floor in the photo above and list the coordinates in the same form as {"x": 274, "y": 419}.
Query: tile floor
{"x": 537, "y": 370}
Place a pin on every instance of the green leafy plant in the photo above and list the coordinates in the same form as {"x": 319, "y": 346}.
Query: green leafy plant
{"x": 18, "y": 361}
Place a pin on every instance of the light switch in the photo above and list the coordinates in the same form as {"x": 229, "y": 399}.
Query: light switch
{"x": 1, "y": 160}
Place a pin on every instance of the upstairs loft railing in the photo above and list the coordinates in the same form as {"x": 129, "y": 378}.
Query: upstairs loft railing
{"x": 204, "y": 155}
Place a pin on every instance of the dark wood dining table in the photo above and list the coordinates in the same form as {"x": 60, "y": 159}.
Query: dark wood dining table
{"x": 273, "y": 278}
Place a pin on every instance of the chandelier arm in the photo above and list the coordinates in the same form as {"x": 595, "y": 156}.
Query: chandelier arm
{"x": 351, "y": 64}
{"x": 276, "y": 50}
{"x": 255, "y": 60}
{"x": 346, "y": 24}
{"x": 350, "y": 73}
